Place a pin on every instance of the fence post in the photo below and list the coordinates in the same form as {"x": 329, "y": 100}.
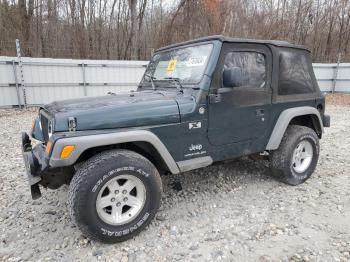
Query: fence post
{"x": 335, "y": 74}
{"x": 16, "y": 82}
{"x": 84, "y": 79}
{"x": 20, "y": 64}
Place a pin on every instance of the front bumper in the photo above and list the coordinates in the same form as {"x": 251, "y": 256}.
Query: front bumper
{"x": 35, "y": 164}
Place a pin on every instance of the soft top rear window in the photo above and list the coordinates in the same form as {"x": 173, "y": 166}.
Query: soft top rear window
{"x": 294, "y": 74}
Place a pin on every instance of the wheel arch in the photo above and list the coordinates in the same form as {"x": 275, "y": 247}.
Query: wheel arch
{"x": 143, "y": 148}
{"x": 143, "y": 142}
{"x": 304, "y": 116}
{"x": 310, "y": 120}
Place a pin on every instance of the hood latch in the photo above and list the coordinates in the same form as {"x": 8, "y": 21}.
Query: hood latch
{"x": 72, "y": 124}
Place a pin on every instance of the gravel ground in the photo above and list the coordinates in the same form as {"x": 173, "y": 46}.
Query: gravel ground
{"x": 230, "y": 212}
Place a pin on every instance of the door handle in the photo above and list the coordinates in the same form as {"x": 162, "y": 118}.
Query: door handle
{"x": 260, "y": 112}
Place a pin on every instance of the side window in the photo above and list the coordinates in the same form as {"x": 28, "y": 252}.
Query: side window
{"x": 252, "y": 66}
{"x": 294, "y": 76}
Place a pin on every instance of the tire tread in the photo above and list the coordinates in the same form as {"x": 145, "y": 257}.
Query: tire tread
{"x": 80, "y": 181}
{"x": 279, "y": 159}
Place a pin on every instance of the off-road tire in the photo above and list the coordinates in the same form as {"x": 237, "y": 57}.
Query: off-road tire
{"x": 96, "y": 172}
{"x": 281, "y": 159}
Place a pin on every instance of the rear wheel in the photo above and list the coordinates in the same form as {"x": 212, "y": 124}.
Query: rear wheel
{"x": 114, "y": 195}
{"x": 296, "y": 158}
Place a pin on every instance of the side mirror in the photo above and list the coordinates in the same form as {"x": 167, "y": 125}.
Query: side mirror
{"x": 232, "y": 77}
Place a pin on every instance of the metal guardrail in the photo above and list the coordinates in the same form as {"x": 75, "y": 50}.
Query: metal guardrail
{"x": 332, "y": 79}
{"x": 46, "y": 79}
{"x": 68, "y": 84}
{"x": 330, "y": 66}
{"x": 72, "y": 64}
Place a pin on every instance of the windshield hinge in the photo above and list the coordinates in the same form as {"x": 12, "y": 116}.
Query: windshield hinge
{"x": 72, "y": 124}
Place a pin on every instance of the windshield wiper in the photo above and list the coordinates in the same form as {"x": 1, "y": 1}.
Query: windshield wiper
{"x": 151, "y": 78}
{"x": 177, "y": 80}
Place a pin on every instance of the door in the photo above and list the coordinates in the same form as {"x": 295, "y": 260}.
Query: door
{"x": 240, "y": 113}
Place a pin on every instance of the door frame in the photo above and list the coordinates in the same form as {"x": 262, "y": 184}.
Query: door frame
{"x": 216, "y": 82}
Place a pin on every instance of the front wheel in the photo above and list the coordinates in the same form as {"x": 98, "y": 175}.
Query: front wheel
{"x": 114, "y": 195}
{"x": 296, "y": 158}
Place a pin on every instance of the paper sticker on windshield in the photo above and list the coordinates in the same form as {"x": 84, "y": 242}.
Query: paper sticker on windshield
{"x": 171, "y": 65}
{"x": 196, "y": 61}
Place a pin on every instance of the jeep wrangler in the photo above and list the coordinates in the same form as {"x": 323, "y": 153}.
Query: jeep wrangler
{"x": 199, "y": 102}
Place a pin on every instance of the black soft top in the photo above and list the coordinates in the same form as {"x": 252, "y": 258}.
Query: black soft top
{"x": 236, "y": 40}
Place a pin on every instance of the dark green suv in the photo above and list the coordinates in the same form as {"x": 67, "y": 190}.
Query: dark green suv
{"x": 199, "y": 102}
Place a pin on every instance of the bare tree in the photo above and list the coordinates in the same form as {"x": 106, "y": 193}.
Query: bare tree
{"x": 132, "y": 29}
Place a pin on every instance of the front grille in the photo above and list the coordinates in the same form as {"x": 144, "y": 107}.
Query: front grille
{"x": 44, "y": 120}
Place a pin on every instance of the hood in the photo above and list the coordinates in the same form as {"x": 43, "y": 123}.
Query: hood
{"x": 116, "y": 111}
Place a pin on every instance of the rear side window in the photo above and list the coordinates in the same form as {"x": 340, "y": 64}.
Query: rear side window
{"x": 252, "y": 65}
{"x": 294, "y": 77}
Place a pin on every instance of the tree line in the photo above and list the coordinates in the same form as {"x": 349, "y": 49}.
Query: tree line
{"x": 133, "y": 29}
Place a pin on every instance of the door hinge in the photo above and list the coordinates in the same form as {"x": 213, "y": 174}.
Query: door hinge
{"x": 214, "y": 98}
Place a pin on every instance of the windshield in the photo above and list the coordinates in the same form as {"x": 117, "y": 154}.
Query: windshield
{"x": 186, "y": 64}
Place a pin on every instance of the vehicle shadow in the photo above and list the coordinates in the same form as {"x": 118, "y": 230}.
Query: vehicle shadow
{"x": 224, "y": 175}
{"x": 219, "y": 178}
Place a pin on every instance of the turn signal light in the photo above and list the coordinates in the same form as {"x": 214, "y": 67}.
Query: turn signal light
{"x": 33, "y": 124}
{"x": 48, "y": 147}
{"x": 67, "y": 151}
